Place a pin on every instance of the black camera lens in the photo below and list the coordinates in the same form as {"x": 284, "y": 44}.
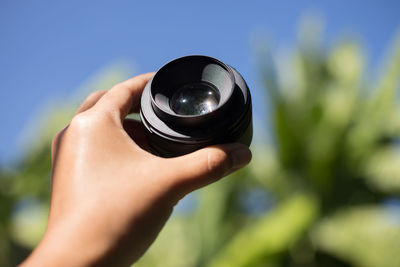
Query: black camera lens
{"x": 195, "y": 99}
{"x": 193, "y": 102}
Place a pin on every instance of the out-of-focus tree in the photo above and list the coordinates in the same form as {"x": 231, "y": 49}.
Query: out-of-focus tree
{"x": 321, "y": 191}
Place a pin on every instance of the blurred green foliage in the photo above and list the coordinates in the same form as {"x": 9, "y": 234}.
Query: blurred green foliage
{"x": 315, "y": 194}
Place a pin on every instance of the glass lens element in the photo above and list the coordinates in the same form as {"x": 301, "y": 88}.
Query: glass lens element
{"x": 195, "y": 99}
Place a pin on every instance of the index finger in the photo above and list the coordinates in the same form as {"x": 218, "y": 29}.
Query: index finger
{"x": 123, "y": 97}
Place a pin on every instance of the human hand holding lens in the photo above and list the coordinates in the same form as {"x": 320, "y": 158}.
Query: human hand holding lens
{"x": 110, "y": 197}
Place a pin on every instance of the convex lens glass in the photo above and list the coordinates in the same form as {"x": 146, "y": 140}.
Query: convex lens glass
{"x": 195, "y": 99}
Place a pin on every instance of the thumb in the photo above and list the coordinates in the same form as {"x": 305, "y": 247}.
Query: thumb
{"x": 207, "y": 165}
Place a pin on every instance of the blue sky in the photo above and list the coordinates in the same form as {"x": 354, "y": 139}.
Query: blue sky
{"x": 49, "y": 48}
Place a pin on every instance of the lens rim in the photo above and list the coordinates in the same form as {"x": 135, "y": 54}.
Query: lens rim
{"x": 161, "y": 105}
{"x": 234, "y": 124}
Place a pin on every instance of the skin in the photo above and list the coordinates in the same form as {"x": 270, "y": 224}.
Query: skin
{"x": 110, "y": 197}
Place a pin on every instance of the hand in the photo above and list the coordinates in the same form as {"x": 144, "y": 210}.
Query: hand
{"x": 110, "y": 197}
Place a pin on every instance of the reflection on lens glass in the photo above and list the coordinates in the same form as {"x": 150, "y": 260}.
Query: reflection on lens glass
{"x": 195, "y": 99}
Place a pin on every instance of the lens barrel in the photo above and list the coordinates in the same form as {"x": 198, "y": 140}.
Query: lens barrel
{"x": 193, "y": 102}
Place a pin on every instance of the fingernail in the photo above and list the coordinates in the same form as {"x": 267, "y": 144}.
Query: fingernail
{"x": 241, "y": 156}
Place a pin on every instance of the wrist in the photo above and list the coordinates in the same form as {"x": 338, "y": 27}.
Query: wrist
{"x": 68, "y": 245}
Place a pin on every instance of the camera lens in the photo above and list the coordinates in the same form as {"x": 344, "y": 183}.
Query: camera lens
{"x": 193, "y": 102}
{"x": 195, "y": 99}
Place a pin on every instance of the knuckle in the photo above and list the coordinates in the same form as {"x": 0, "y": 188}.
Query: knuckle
{"x": 217, "y": 163}
{"x": 95, "y": 94}
{"x": 121, "y": 87}
{"x": 81, "y": 121}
